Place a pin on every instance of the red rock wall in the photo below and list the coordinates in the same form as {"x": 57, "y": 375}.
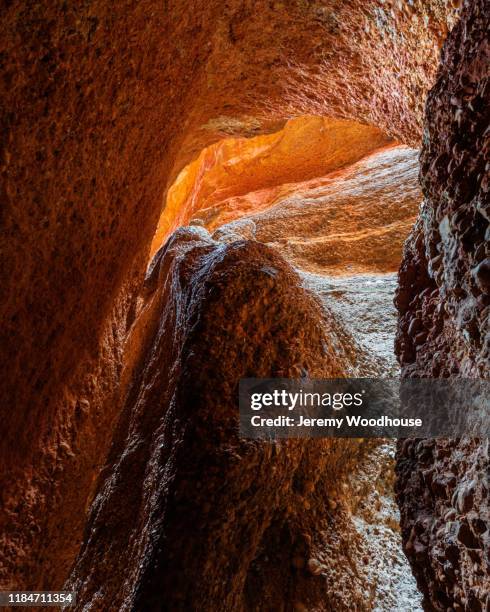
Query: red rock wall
{"x": 444, "y": 304}
{"x": 102, "y": 106}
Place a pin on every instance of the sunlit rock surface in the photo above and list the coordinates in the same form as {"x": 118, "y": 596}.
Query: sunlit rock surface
{"x": 351, "y": 221}
{"x": 239, "y": 176}
{"x": 444, "y": 304}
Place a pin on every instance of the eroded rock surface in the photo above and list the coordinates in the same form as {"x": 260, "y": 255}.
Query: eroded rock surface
{"x": 102, "y": 107}
{"x": 351, "y": 216}
{"x": 361, "y": 309}
{"x": 444, "y": 305}
{"x": 235, "y": 177}
{"x": 344, "y": 233}
{"x": 363, "y": 321}
{"x": 187, "y": 516}
{"x": 352, "y": 220}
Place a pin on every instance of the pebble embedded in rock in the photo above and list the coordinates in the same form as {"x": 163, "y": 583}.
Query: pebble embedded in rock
{"x": 314, "y": 567}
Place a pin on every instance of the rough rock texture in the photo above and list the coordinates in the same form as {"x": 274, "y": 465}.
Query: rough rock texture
{"x": 344, "y": 235}
{"x": 364, "y": 319}
{"x": 443, "y": 492}
{"x": 102, "y": 107}
{"x": 238, "y": 176}
{"x": 444, "y": 304}
{"x": 187, "y": 516}
{"x": 351, "y": 221}
{"x": 361, "y": 312}
{"x": 376, "y": 517}
{"x": 358, "y": 554}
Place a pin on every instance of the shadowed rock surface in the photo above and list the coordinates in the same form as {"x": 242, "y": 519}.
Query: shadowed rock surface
{"x": 102, "y": 107}
{"x": 444, "y": 305}
{"x": 183, "y": 501}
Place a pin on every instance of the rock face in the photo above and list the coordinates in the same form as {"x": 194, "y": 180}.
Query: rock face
{"x": 344, "y": 234}
{"x": 186, "y": 515}
{"x": 203, "y": 496}
{"x": 352, "y": 221}
{"x": 102, "y": 107}
{"x": 443, "y": 493}
{"x": 444, "y": 305}
{"x": 241, "y": 176}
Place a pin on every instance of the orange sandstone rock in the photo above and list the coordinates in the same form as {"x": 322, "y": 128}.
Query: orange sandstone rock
{"x": 234, "y": 168}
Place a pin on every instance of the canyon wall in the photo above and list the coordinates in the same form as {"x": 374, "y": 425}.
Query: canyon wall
{"x": 102, "y": 107}
{"x": 182, "y": 500}
{"x": 235, "y": 177}
{"x": 353, "y": 220}
{"x": 444, "y": 304}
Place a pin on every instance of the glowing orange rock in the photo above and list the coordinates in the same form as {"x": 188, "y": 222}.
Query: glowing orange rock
{"x": 307, "y": 147}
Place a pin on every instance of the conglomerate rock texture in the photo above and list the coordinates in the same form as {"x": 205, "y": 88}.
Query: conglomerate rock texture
{"x": 102, "y": 107}
{"x": 188, "y": 516}
{"x": 444, "y": 303}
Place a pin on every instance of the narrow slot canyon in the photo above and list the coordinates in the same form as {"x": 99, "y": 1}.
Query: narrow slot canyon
{"x": 200, "y": 194}
{"x": 343, "y": 233}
